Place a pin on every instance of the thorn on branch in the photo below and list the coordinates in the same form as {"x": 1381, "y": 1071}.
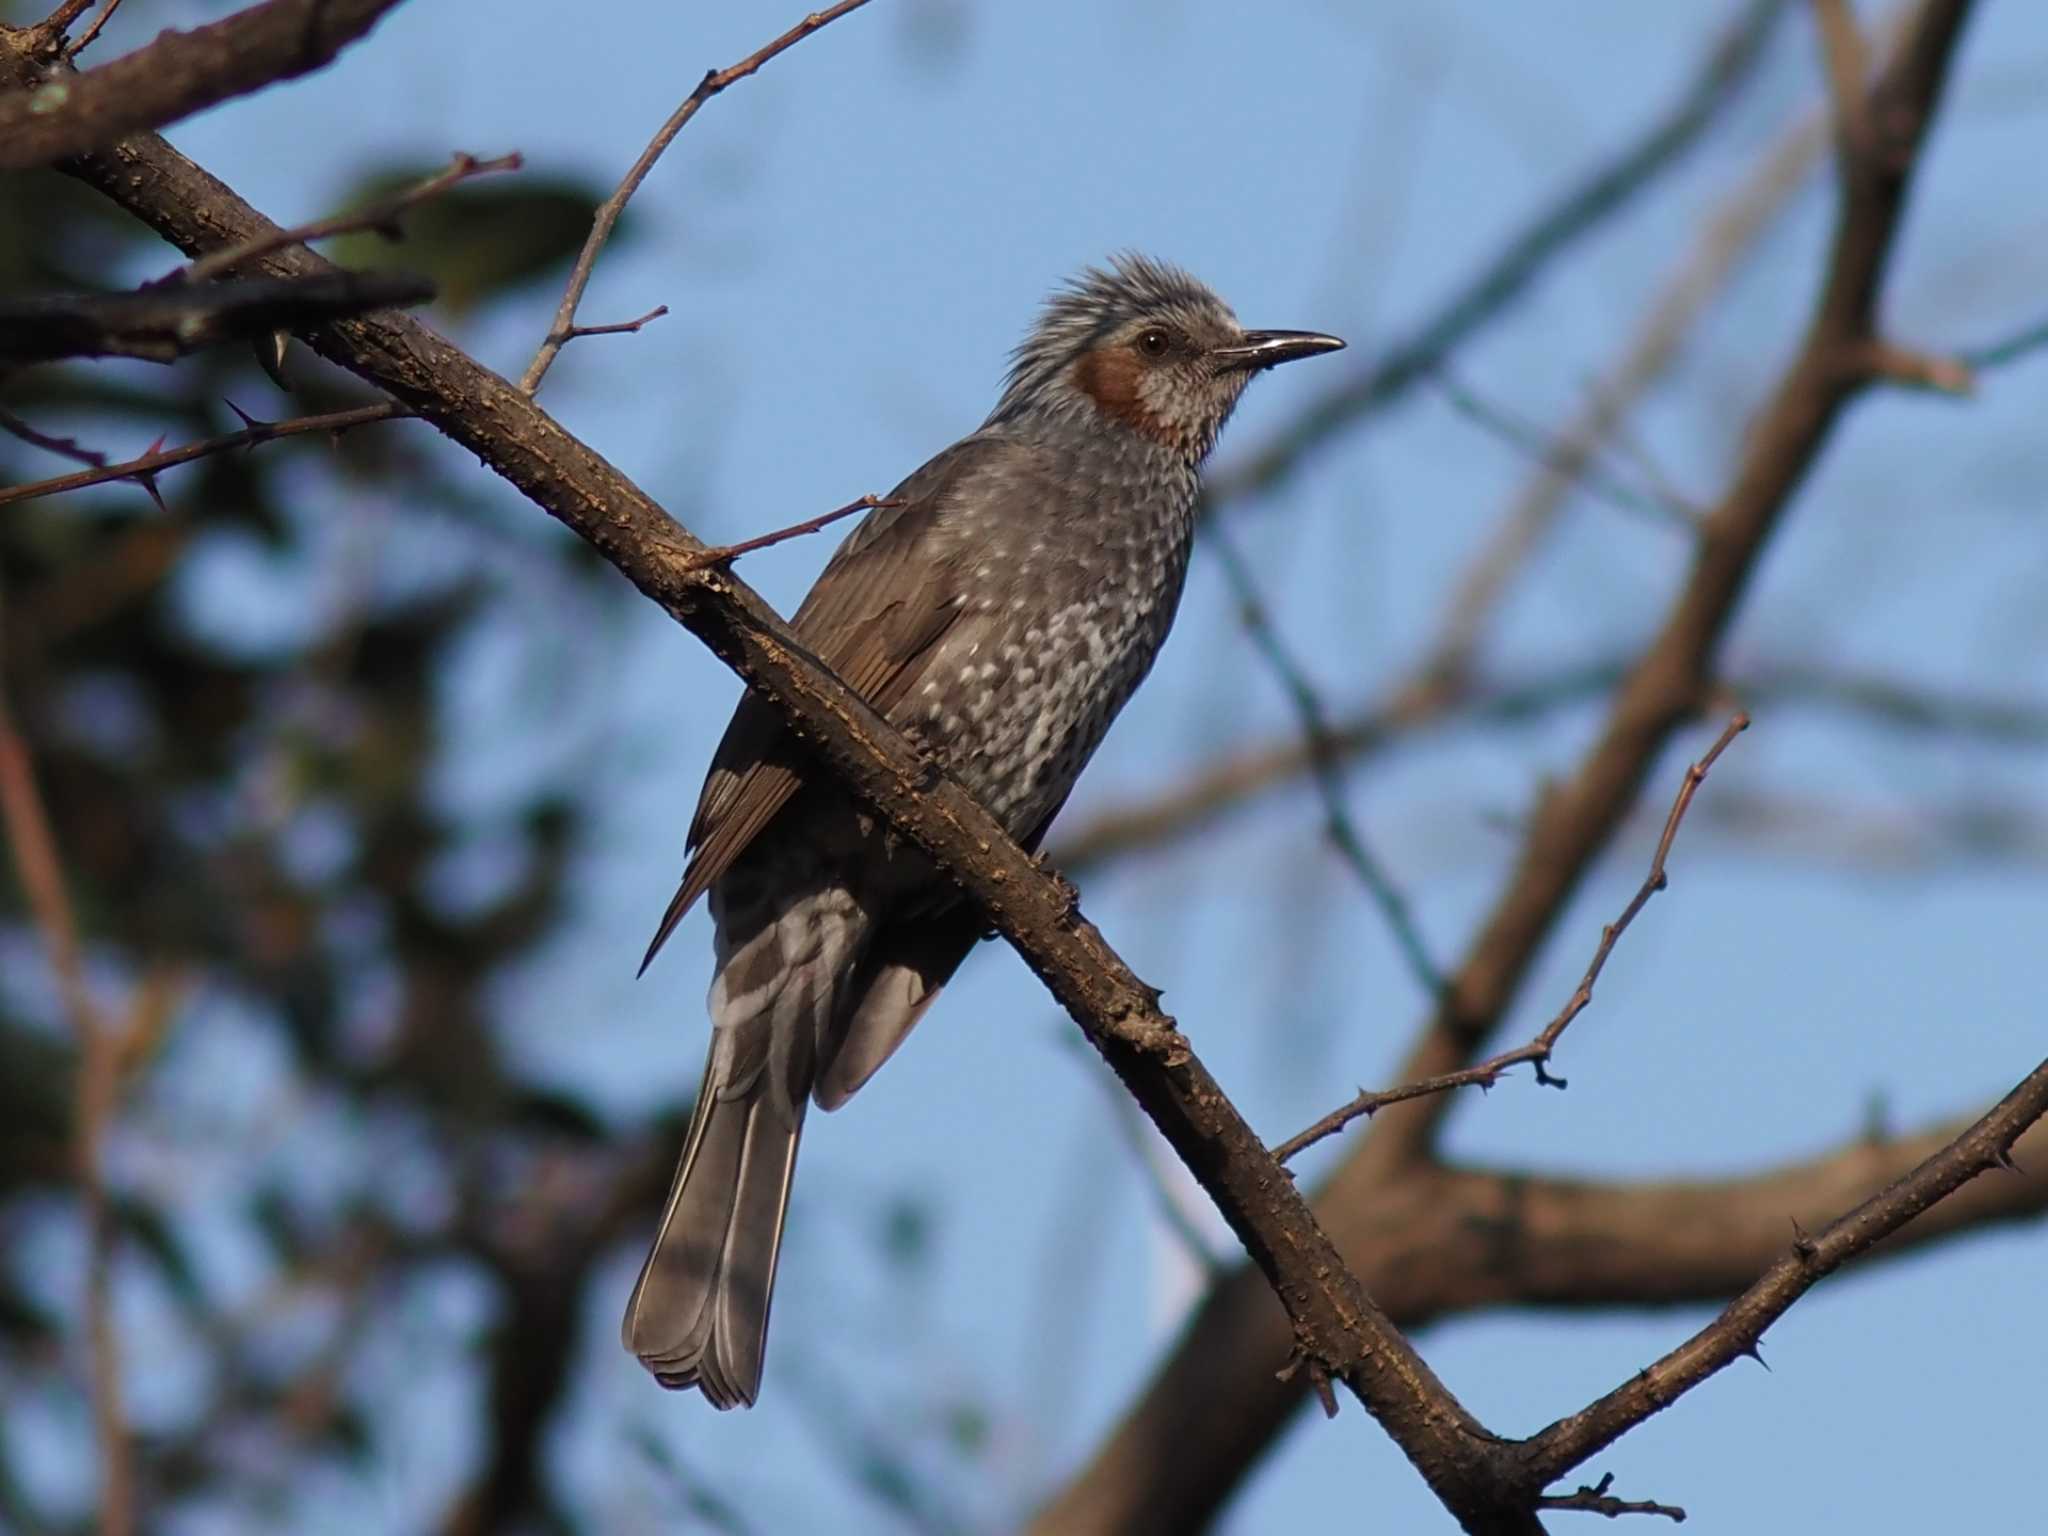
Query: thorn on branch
{"x": 143, "y": 469}
{"x": 1802, "y": 1245}
{"x": 1319, "y": 1378}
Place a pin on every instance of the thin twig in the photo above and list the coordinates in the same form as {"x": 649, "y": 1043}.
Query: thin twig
{"x": 1325, "y": 758}
{"x": 85, "y": 39}
{"x": 719, "y": 555}
{"x": 564, "y": 327}
{"x": 1998, "y": 354}
{"x": 69, "y": 447}
{"x": 381, "y": 216}
{"x": 1559, "y": 455}
{"x": 1596, "y": 1500}
{"x": 140, "y": 469}
{"x": 42, "y": 879}
{"x": 621, "y": 327}
{"x": 1536, "y": 1052}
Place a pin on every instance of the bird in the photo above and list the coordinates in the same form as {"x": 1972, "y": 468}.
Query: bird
{"x": 999, "y": 607}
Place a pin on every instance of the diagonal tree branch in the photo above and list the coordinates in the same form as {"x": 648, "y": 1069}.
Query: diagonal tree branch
{"x": 1338, "y": 1330}
{"x": 69, "y": 113}
{"x": 1986, "y": 1145}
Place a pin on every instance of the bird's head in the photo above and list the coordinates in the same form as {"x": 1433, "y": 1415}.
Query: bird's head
{"x": 1145, "y": 348}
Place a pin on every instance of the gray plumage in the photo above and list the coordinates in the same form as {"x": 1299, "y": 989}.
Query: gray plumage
{"x": 1001, "y": 614}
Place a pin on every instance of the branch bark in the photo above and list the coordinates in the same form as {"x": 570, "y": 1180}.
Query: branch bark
{"x": 162, "y": 323}
{"x": 66, "y": 113}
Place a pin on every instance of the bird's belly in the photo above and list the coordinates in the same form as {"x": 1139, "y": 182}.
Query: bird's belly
{"x": 1016, "y": 720}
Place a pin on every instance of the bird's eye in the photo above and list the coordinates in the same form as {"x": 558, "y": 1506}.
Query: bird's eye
{"x": 1154, "y": 341}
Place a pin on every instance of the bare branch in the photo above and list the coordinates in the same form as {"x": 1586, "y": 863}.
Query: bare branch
{"x": 164, "y": 322}
{"x": 99, "y": 20}
{"x": 381, "y": 216}
{"x": 1594, "y": 1499}
{"x": 173, "y": 77}
{"x": 1335, "y": 1322}
{"x": 141, "y": 469}
{"x": 621, "y": 327}
{"x": 69, "y": 447}
{"x": 721, "y": 555}
{"x": 1537, "y": 1052}
{"x": 65, "y": 14}
{"x": 1734, "y": 1334}
{"x": 1433, "y": 1243}
{"x": 564, "y": 329}
{"x": 1888, "y": 362}
{"x": 1998, "y": 354}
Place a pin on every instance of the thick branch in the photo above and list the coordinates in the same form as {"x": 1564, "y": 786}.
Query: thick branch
{"x": 1438, "y": 1243}
{"x": 1986, "y": 1145}
{"x": 161, "y": 323}
{"x": 173, "y": 77}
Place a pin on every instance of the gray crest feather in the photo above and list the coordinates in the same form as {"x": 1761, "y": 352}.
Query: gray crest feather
{"x": 1092, "y": 306}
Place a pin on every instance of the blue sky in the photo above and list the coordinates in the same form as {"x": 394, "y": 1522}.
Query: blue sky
{"x": 848, "y": 245}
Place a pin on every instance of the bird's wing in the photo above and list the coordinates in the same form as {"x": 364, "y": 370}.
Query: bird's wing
{"x": 875, "y": 616}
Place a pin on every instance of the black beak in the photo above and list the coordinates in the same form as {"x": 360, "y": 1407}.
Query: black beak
{"x": 1268, "y": 349}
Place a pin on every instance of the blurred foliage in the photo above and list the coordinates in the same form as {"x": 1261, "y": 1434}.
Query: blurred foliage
{"x": 482, "y": 238}
{"x": 235, "y": 703}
